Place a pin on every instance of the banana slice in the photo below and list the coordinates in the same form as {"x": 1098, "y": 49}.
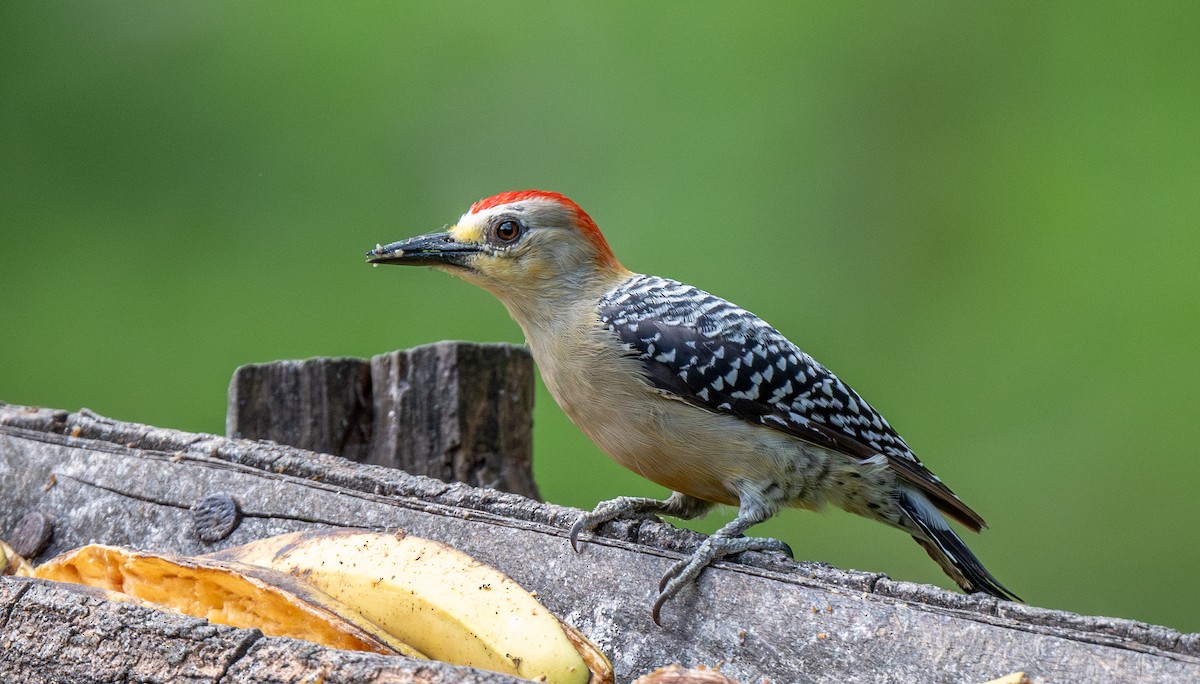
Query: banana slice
{"x": 445, "y": 603}
{"x": 227, "y": 593}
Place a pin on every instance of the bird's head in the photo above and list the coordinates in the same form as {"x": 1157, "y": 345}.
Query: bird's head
{"x": 521, "y": 245}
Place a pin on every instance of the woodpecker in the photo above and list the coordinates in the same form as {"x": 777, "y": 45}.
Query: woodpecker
{"x": 690, "y": 391}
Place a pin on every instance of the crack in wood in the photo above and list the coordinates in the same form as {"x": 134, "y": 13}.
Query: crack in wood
{"x": 188, "y": 507}
{"x": 112, "y": 490}
{"x": 247, "y": 642}
{"x": 12, "y": 604}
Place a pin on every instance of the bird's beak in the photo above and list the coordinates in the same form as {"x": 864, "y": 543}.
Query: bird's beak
{"x": 434, "y": 249}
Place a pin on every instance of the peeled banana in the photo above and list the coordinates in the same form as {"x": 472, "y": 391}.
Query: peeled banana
{"x": 445, "y": 603}
{"x": 227, "y": 593}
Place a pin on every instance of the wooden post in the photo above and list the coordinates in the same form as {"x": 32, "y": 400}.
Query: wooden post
{"x": 316, "y": 404}
{"x": 456, "y": 411}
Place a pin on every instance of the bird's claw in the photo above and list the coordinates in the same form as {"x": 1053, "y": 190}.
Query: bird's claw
{"x": 588, "y": 522}
{"x": 579, "y": 526}
{"x": 658, "y": 604}
{"x": 786, "y": 550}
{"x": 607, "y": 511}
{"x": 685, "y": 571}
{"x": 680, "y": 575}
{"x": 769, "y": 544}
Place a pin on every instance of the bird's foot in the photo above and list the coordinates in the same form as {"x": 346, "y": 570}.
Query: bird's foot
{"x": 625, "y": 506}
{"x": 714, "y": 548}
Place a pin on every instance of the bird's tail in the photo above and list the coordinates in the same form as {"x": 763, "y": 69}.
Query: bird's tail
{"x": 947, "y": 549}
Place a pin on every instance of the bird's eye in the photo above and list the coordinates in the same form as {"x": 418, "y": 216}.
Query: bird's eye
{"x": 507, "y": 232}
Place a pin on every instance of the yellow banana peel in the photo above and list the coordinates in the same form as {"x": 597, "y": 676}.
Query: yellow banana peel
{"x": 442, "y": 601}
{"x": 227, "y": 593}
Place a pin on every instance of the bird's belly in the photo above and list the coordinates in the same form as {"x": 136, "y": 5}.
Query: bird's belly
{"x": 691, "y": 466}
{"x": 707, "y": 455}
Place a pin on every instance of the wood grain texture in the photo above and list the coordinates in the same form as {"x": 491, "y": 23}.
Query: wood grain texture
{"x": 763, "y": 617}
{"x": 457, "y": 411}
{"x": 317, "y": 404}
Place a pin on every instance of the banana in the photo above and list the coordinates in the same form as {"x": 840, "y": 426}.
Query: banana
{"x": 445, "y": 603}
{"x": 225, "y": 592}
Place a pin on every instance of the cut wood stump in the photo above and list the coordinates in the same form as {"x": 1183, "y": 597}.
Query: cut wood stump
{"x": 759, "y": 617}
{"x": 457, "y": 411}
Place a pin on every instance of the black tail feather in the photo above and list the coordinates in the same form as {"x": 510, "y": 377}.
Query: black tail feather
{"x": 948, "y": 550}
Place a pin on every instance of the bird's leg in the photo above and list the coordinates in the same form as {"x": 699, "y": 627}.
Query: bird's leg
{"x": 726, "y": 541}
{"x": 677, "y": 505}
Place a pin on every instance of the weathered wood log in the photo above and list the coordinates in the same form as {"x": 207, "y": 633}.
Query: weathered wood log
{"x": 457, "y": 411}
{"x": 761, "y": 616}
{"x": 52, "y": 634}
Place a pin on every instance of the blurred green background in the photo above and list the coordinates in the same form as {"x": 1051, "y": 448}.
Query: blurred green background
{"x": 984, "y": 217}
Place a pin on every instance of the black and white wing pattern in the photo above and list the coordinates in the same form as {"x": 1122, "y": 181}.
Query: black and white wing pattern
{"x": 706, "y": 351}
